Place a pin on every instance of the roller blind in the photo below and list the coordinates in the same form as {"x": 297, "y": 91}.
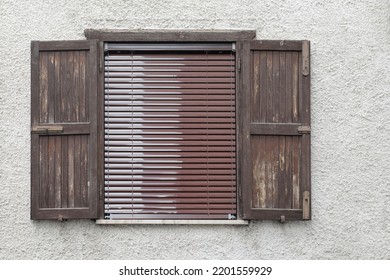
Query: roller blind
{"x": 170, "y": 131}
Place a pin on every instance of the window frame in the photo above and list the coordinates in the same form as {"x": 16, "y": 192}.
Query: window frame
{"x": 154, "y": 36}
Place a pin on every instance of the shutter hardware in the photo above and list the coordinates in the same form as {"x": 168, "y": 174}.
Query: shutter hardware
{"x": 304, "y": 129}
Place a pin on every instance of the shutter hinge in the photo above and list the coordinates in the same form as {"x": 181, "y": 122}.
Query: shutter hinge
{"x": 305, "y": 58}
{"x": 304, "y": 129}
{"x": 239, "y": 65}
{"x": 306, "y": 206}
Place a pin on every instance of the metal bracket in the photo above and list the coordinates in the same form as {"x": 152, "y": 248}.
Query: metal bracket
{"x": 282, "y": 219}
{"x": 306, "y": 205}
{"x": 304, "y": 129}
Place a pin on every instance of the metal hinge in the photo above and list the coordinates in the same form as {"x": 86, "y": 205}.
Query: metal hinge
{"x": 239, "y": 65}
{"x": 306, "y": 205}
{"x": 304, "y": 129}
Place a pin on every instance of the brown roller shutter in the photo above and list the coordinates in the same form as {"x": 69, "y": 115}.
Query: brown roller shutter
{"x": 276, "y": 130}
{"x": 170, "y": 149}
{"x": 63, "y": 132}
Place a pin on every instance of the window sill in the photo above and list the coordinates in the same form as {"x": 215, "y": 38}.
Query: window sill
{"x": 172, "y": 222}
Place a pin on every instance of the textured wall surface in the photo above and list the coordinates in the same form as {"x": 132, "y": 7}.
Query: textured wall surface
{"x": 350, "y": 123}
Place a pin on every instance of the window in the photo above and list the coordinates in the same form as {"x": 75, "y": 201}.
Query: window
{"x": 170, "y": 125}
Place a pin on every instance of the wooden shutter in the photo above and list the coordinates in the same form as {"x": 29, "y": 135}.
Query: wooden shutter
{"x": 63, "y": 132}
{"x": 276, "y": 130}
{"x": 170, "y": 131}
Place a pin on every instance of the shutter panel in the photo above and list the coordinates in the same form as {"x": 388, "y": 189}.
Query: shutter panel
{"x": 276, "y": 130}
{"x": 170, "y": 131}
{"x": 63, "y": 133}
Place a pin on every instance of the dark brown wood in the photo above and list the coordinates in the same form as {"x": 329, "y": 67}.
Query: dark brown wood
{"x": 77, "y": 45}
{"x": 63, "y": 174}
{"x": 171, "y": 35}
{"x": 275, "y": 129}
{"x": 276, "y": 154}
{"x": 273, "y": 45}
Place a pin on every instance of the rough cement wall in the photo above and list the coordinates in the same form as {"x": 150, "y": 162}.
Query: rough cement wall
{"x": 350, "y": 139}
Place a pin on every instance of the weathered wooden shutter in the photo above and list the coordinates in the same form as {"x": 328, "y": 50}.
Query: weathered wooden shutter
{"x": 170, "y": 131}
{"x": 63, "y": 132}
{"x": 276, "y": 130}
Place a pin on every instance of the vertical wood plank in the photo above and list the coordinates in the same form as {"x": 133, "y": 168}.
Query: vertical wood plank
{"x": 51, "y": 171}
{"x": 51, "y": 87}
{"x": 288, "y": 173}
{"x": 62, "y": 95}
{"x": 289, "y": 88}
{"x": 77, "y": 166}
{"x": 84, "y": 171}
{"x": 81, "y": 87}
{"x": 275, "y": 87}
{"x": 65, "y": 164}
{"x": 263, "y": 86}
{"x": 76, "y": 83}
{"x": 255, "y": 87}
{"x": 296, "y": 172}
{"x": 270, "y": 89}
{"x": 43, "y": 88}
{"x": 58, "y": 170}
{"x": 43, "y": 172}
{"x": 295, "y": 87}
{"x": 57, "y": 87}
{"x": 71, "y": 167}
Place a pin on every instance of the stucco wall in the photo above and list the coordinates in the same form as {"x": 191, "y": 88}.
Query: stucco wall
{"x": 350, "y": 132}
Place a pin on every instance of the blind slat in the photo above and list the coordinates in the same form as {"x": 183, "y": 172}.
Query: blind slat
{"x": 170, "y": 131}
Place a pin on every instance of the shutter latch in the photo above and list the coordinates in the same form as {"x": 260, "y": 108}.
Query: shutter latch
{"x": 47, "y": 129}
{"x": 304, "y": 129}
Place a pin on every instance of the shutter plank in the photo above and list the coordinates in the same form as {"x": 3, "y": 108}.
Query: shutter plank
{"x": 277, "y": 174}
{"x": 63, "y": 177}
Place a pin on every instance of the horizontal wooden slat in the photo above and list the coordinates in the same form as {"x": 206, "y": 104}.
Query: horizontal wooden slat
{"x": 67, "y": 128}
{"x": 168, "y": 47}
{"x": 170, "y": 36}
{"x": 64, "y": 45}
{"x": 275, "y": 129}
{"x": 274, "y": 45}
